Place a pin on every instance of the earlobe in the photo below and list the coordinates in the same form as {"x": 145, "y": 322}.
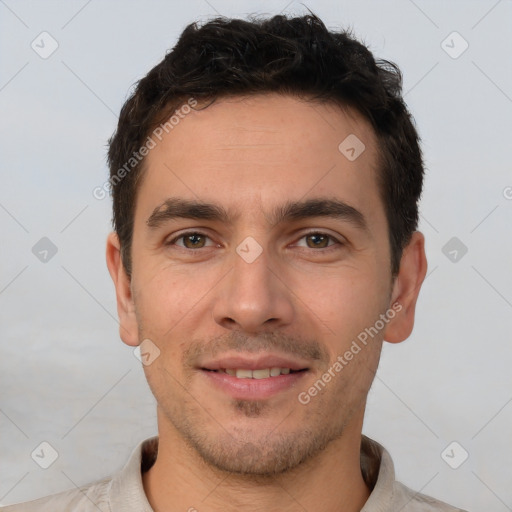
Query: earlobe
{"x": 128, "y": 327}
{"x": 406, "y": 288}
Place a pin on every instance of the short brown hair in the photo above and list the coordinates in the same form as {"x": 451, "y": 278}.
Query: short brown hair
{"x": 297, "y": 56}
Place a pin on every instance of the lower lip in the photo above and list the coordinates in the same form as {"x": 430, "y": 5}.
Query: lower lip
{"x": 253, "y": 389}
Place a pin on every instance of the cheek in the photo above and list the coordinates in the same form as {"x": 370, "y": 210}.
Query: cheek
{"x": 170, "y": 306}
{"x": 345, "y": 313}
{"x": 346, "y": 298}
{"x": 161, "y": 302}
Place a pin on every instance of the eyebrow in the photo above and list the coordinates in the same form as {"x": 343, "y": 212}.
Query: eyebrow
{"x": 176, "y": 208}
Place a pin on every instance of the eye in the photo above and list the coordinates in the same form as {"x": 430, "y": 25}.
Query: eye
{"x": 198, "y": 240}
{"x": 319, "y": 240}
{"x": 191, "y": 240}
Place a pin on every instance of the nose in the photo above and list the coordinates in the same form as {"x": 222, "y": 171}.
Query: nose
{"x": 253, "y": 297}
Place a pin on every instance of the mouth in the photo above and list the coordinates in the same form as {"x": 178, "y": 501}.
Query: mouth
{"x": 262, "y": 373}
{"x": 253, "y": 378}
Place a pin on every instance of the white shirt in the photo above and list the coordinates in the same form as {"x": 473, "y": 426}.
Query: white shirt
{"x": 124, "y": 492}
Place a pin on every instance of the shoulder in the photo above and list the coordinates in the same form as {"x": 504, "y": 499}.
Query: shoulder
{"x": 89, "y": 498}
{"x": 119, "y": 492}
{"x": 387, "y": 493}
{"x": 411, "y": 501}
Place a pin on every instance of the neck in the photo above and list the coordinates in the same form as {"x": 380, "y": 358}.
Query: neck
{"x": 330, "y": 481}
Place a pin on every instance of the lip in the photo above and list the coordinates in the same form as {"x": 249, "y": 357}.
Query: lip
{"x": 255, "y": 362}
{"x": 253, "y": 389}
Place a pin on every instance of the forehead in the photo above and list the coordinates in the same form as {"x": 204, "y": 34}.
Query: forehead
{"x": 262, "y": 150}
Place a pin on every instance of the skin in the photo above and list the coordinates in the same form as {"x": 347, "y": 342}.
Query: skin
{"x": 303, "y": 293}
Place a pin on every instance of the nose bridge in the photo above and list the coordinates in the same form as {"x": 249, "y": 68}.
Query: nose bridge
{"x": 252, "y": 268}
{"x": 252, "y": 297}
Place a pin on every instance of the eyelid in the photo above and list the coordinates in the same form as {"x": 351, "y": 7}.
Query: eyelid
{"x": 183, "y": 234}
{"x": 338, "y": 239}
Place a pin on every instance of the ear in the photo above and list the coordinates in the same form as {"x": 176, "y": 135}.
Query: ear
{"x": 406, "y": 288}
{"x": 128, "y": 327}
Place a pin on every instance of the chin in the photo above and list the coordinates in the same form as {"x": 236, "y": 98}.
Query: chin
{"x": 263, "y": 455}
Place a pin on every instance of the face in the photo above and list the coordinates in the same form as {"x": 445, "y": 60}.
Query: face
{"x": 260, "y": 254}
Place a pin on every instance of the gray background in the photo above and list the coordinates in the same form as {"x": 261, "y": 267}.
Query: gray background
{"x": 65, "y": 376}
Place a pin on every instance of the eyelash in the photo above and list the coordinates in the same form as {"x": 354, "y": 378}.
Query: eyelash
{"x": 324, "y": 249}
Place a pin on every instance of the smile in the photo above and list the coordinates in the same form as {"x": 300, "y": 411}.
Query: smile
{"x": 263, "y": 373}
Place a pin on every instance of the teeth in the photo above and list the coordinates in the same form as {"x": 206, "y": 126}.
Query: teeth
{"x": 243, "y": 374}
{"x": 262, "y": 373}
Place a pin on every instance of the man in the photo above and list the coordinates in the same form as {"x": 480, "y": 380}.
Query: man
{"x": 265, "y": 179}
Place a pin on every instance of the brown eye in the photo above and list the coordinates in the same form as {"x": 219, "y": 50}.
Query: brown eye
{"x": 318, "y": 240}
{"x": 190, "y": 240}
{"x": 193, "y": 240}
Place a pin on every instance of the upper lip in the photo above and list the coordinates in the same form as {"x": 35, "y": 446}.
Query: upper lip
{"x": 254, "y": 362}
